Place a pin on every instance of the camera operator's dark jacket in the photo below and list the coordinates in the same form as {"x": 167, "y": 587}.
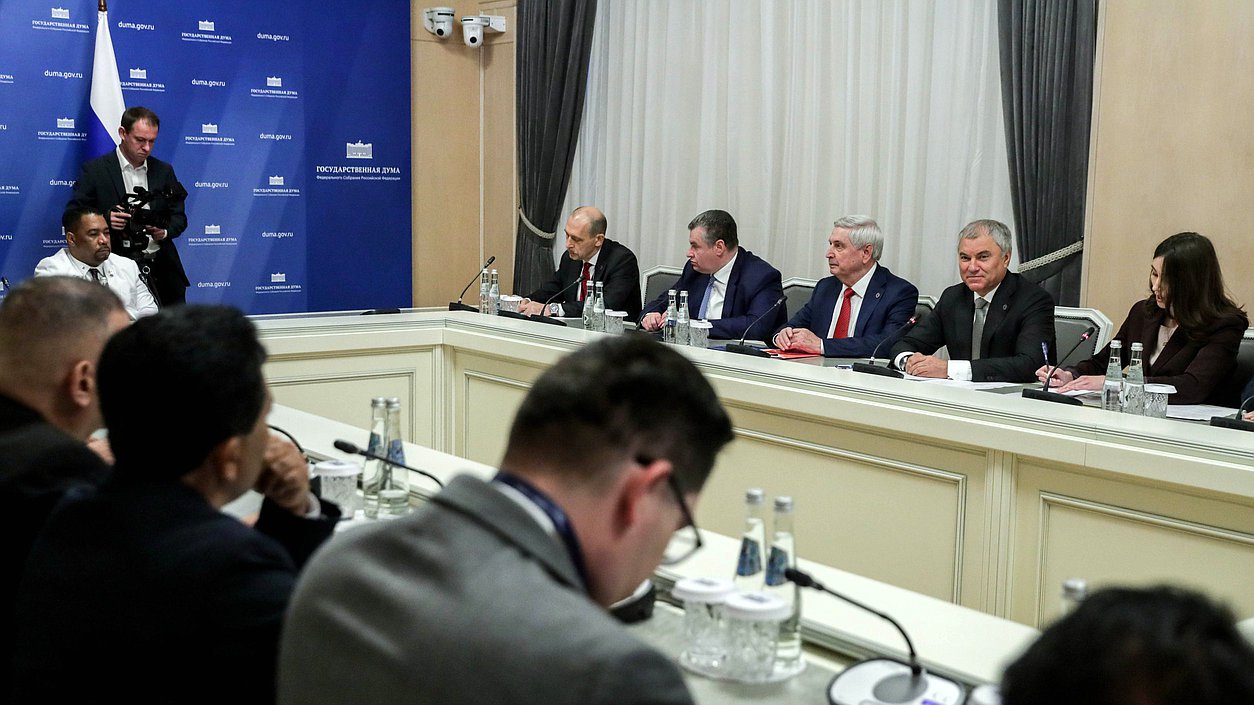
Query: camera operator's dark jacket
{"x": 100, "y": 184}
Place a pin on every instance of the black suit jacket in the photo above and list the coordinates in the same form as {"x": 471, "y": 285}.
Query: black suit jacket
{"x": 616, "y": 266}
{"x": 1194, "y": 366}
{"x": 100, "y": 184}
{"x": 1020, "y": 317}
{"x": 38, "y": 464}
{"x": 752, "y": 288}
{"x": 155, "y": 596}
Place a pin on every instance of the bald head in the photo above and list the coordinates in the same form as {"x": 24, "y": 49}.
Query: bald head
{"x": 52, "y": 330}
{"x": 585, "y": 233}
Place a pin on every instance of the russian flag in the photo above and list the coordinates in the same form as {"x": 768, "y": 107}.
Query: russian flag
{"x": 106, "y": 92}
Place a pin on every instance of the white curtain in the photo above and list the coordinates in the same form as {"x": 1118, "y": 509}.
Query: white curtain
{"x": 789, "y": 115}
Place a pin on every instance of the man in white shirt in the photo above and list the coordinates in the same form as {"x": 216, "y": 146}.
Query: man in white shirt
{"x": 88, "y": 255}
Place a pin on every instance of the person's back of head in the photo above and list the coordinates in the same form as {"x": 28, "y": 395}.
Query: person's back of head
{"x": 1128, "y": 646}
{"x": 625, "y": 397}
{"x": 176, "y": 385}
{"x": 52, "y": 330}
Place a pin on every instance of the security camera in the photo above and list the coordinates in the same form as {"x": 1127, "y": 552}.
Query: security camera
{"x": 474, "y": 25}
{"x": 438, "y": 21}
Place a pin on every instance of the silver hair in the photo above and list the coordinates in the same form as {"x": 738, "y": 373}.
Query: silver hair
{"x": 994, "y": 229}
{"x": 863, "y": 231}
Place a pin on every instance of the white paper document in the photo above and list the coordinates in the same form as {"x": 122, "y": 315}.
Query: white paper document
{"x": 1197, "y": 412}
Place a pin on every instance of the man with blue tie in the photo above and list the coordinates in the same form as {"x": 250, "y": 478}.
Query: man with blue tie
{"x": 727, "y": 285}
{"x": 852, "y": 311}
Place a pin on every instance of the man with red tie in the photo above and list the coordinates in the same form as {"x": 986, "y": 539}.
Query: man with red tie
{"x": 589, "y": 258}
{"x": 853, "y": 310}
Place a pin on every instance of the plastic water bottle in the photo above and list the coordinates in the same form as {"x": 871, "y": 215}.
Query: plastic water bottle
{"x": 750, "y": 575}
{"x": 485, "y": 285}
{"x": 681, "y": 320}
{"x": 672, "y": 313}
{"x": 589, "y": 300}
{"x": 372, "y": 474}
{"x": 494, "y": 294}
{"x": 394, "y": 484}
{"x": 598, "y": 308}
{"x": 1134, "y": 385}
{"x": 783, "y": 556}
{"x": 1112, "y": 388}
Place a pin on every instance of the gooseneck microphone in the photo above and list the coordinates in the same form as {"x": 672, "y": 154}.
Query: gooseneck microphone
{"x": 870, "y": 367}
{"x": 1043, "y": 393}
{"x": 743, "y": 349}
{"x": 1235, "y": 421}
{"x": 881, "y": 679}
{"x": 352, "y": 448}
{"x": 458, "y": 305}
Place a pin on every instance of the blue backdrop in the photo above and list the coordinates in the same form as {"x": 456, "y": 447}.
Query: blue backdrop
{"x": 287, "y": 121}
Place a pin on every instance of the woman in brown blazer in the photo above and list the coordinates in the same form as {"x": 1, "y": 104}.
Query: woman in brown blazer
{"x": 1190, "y": 328}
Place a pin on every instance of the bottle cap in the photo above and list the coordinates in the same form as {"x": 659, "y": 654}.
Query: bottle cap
{"x": 711, "y": 591}
{"x": 1075, "y": 588}
{"x": 394, "y": 403}
{"x": 1114, "y": 343}
{"x": 755, "y": 495}
{"x": 378, "y": 401}
{"x": 783, "y": 504}
{"x": 670, "y": 292}
{"x": 1137, "y": 346}
{"x": 756, "y": 607}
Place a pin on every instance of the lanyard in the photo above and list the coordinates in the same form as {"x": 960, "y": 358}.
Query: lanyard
{"x": 555, "y": 513}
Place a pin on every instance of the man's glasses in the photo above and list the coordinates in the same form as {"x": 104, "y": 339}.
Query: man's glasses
{"x": 687, "y": 539}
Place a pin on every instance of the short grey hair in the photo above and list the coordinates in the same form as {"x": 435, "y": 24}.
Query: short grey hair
{"x": 863, "y": 231}
{"x": 994, "y": 229}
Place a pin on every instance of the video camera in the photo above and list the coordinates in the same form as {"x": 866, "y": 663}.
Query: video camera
{"x": 134, "y": 240}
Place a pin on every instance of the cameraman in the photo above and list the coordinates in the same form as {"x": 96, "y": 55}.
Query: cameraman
{"x": 104, "y": 183}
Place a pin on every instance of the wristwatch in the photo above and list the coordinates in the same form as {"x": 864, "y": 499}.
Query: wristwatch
{"x": 555, "y": 310}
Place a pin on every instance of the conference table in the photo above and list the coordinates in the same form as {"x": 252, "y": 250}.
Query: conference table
{"x": 983, "y": 500}
{"x": 960, "y": 643}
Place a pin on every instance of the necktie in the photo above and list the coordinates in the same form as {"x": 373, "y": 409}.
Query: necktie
{"x": 583, "y": 288}
{"x": 841, "y": 329}
{"x": 95, "y": 275}
{"x": 705, "y": 300}
{"x": 977, "y": 327}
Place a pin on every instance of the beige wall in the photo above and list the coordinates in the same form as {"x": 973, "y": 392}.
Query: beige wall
{"x": 1173, "y": 142}
{"x": 463, "y": 153}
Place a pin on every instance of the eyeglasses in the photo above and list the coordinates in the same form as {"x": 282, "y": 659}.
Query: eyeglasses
{"x": 687, "y": 539}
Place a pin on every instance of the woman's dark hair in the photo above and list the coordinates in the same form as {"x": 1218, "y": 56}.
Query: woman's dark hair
{"x": 1194, "y": 282}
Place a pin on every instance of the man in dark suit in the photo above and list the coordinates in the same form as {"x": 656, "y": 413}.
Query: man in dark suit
{"x": 144, "y": 584}
{"x": 105, "y": 182}
{"x": 993, "y": 323}
{"x": 853, "y": 310}
{"x": 52, "y": 330}
{"x": 497, "y": 592}
{"x": 589, "y": 258}
{"x": 727, "y": 285}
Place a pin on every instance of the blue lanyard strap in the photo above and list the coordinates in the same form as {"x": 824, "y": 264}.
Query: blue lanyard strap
{"x": 555, "y": 514}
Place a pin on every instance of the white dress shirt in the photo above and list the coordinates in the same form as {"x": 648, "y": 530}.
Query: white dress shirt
{"x": 119, "y": 273}
{"x": 714, "y": 308}
{"x": 855, "y": 304}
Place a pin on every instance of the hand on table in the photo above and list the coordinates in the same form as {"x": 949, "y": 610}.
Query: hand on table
{"x": 798, "y": 340}
{"x": 921, "y": 365}
{"x": 652, "y": 321}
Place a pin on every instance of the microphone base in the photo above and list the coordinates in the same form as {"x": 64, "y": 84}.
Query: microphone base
{"x": 740, "y": 349}
{"x": 514, "y": 314}
{"x": 1229, "y": 422}
{"x": 459, "y": 306}
{"x": 1054, "y": 397}
{"x": 872, "y": 369}
{"x": 546, "y": 319}
{"x": 885, "y": 680}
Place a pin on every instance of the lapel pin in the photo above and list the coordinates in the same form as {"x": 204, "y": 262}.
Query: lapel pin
{"x": 877, "y": 294}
